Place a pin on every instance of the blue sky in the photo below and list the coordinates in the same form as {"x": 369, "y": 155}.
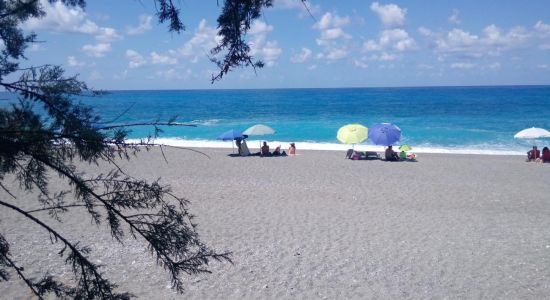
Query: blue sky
{"x": 119, "y": 45}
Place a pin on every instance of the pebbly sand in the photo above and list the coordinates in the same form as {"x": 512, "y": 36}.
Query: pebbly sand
{"x": 320, "y": 226}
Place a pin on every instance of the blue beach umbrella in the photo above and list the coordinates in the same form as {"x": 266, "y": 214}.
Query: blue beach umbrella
{"x": 230, "y": 136}
{"x": 384, "y": 134}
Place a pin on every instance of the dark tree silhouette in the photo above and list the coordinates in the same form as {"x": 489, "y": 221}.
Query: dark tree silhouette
{"x": 47, "y": 131}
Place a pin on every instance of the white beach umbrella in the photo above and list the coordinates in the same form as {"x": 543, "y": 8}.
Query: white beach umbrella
{"x": 532, "y": 133}
{"x": 259, "y": 129}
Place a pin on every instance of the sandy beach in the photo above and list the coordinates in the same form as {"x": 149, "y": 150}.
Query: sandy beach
{"x": 319, "y": 226}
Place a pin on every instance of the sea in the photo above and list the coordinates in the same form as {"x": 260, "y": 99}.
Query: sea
{"x": 461, "y": 120}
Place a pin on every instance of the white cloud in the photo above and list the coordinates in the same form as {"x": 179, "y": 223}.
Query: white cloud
{"x": 360, "y": 64}
{"x": 306, "y": 8}
{"x": 495, "y": 66}
{"x": 173, "y": 74}
{"x": 462, "y": 65}
{"x": 390, "y": 15}
{"x": 106, "y": 34}
{"x": 542, "y": 31}
{"x": 329, "y": 21}
{"x": 73, "y": 62}
{"x": 492, "y": 42}
{"x": 455, "y": 17}
{"x": 336, "y": 53}
{"x": 301, "y": 57}
{"x": 384, "y": 56}
{"x": 95, "y": 75}
{"x": 61, "y": 18}
{"x": 136, "y": 59}
{"x": 391, "y": 39}
{"x": 312, "y": 67}
{"x": 159, "y": 59}
{"x": 98, "y": 50}
{"x": 542, "y": 28}
{"x": 268, "y": 51}
{"x": 121, "y": 76}
{"x": 36, "y": 47}
{"x": 260, "y": 28}
{"x": 543, "y": 66}
{"x": 144, "y": 25}
{"x": 271, "y": 53}
{"x": 424, "y": 67}
{"x": 425, "y": 31}
{"x": 332, "y": 36}
{"x": 204, "y": 39}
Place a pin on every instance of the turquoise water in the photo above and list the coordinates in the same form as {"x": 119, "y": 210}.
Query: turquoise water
{"x": 431, "y": 117}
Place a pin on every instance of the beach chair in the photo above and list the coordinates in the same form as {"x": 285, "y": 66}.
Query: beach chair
{"x": 373, "y": 154}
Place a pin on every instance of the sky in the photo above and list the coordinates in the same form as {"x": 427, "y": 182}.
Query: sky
{"x": 119, "y": 45}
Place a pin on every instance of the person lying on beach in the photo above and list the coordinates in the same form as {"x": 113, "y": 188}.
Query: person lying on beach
{"x": 356, "y": 155}
{"x": 292, "y": 149}
{"x": 278, "y": 152}
{"x": 545, "y": 155}
{"x": 265, "y": 150}
{"x": 391, "y": 155}
{"x": 533, "y": 154}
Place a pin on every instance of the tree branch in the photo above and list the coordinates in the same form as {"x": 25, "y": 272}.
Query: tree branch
{"x": 22, "y": 276}
{"x": 81, "y": 258}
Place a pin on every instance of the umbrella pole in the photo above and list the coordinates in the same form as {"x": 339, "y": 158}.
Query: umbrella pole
{"x": 233, "y": 147}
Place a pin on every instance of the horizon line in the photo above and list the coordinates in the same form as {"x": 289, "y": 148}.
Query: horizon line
{"x": 342, "y": 87}
{"x": 331, "y": 88}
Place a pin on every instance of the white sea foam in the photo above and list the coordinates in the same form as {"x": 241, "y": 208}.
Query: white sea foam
{"x": 208, "y": 122}
{"x": 483, "y": 149}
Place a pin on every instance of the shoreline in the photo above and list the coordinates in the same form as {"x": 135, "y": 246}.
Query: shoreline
{"x": 319, "y": 146}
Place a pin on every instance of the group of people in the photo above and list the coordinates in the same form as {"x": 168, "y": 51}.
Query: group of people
{"x": 535, "y": 155}
{"x": 391, "y": 155}
{"x": 264, "y": 151}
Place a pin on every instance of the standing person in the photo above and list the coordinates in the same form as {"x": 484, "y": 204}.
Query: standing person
{"x": 292, "y": 149}
{"x": 533, "y": 154}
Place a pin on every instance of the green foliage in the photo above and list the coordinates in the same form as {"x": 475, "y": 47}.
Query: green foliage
{"x": 233, "y": 24}
{"x": 47, "y": 131}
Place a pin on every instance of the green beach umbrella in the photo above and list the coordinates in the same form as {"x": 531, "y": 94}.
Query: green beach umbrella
{"x": 352, "y": 134}
{"x": 405, "y": 148}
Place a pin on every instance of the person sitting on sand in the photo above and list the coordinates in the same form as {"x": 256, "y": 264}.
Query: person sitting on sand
{"x": 403, "y": 155}
{"x": 265, "y": 150}
{"x": 545, "y": 155}
{"x": 391, "y": 155}
{"x": 244, "y": 149}
{"x": 292, "y": 149}
{"x": 238, "y": 142}
{"x": 533, "y": 154}
{"x": 277, "y": 151}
